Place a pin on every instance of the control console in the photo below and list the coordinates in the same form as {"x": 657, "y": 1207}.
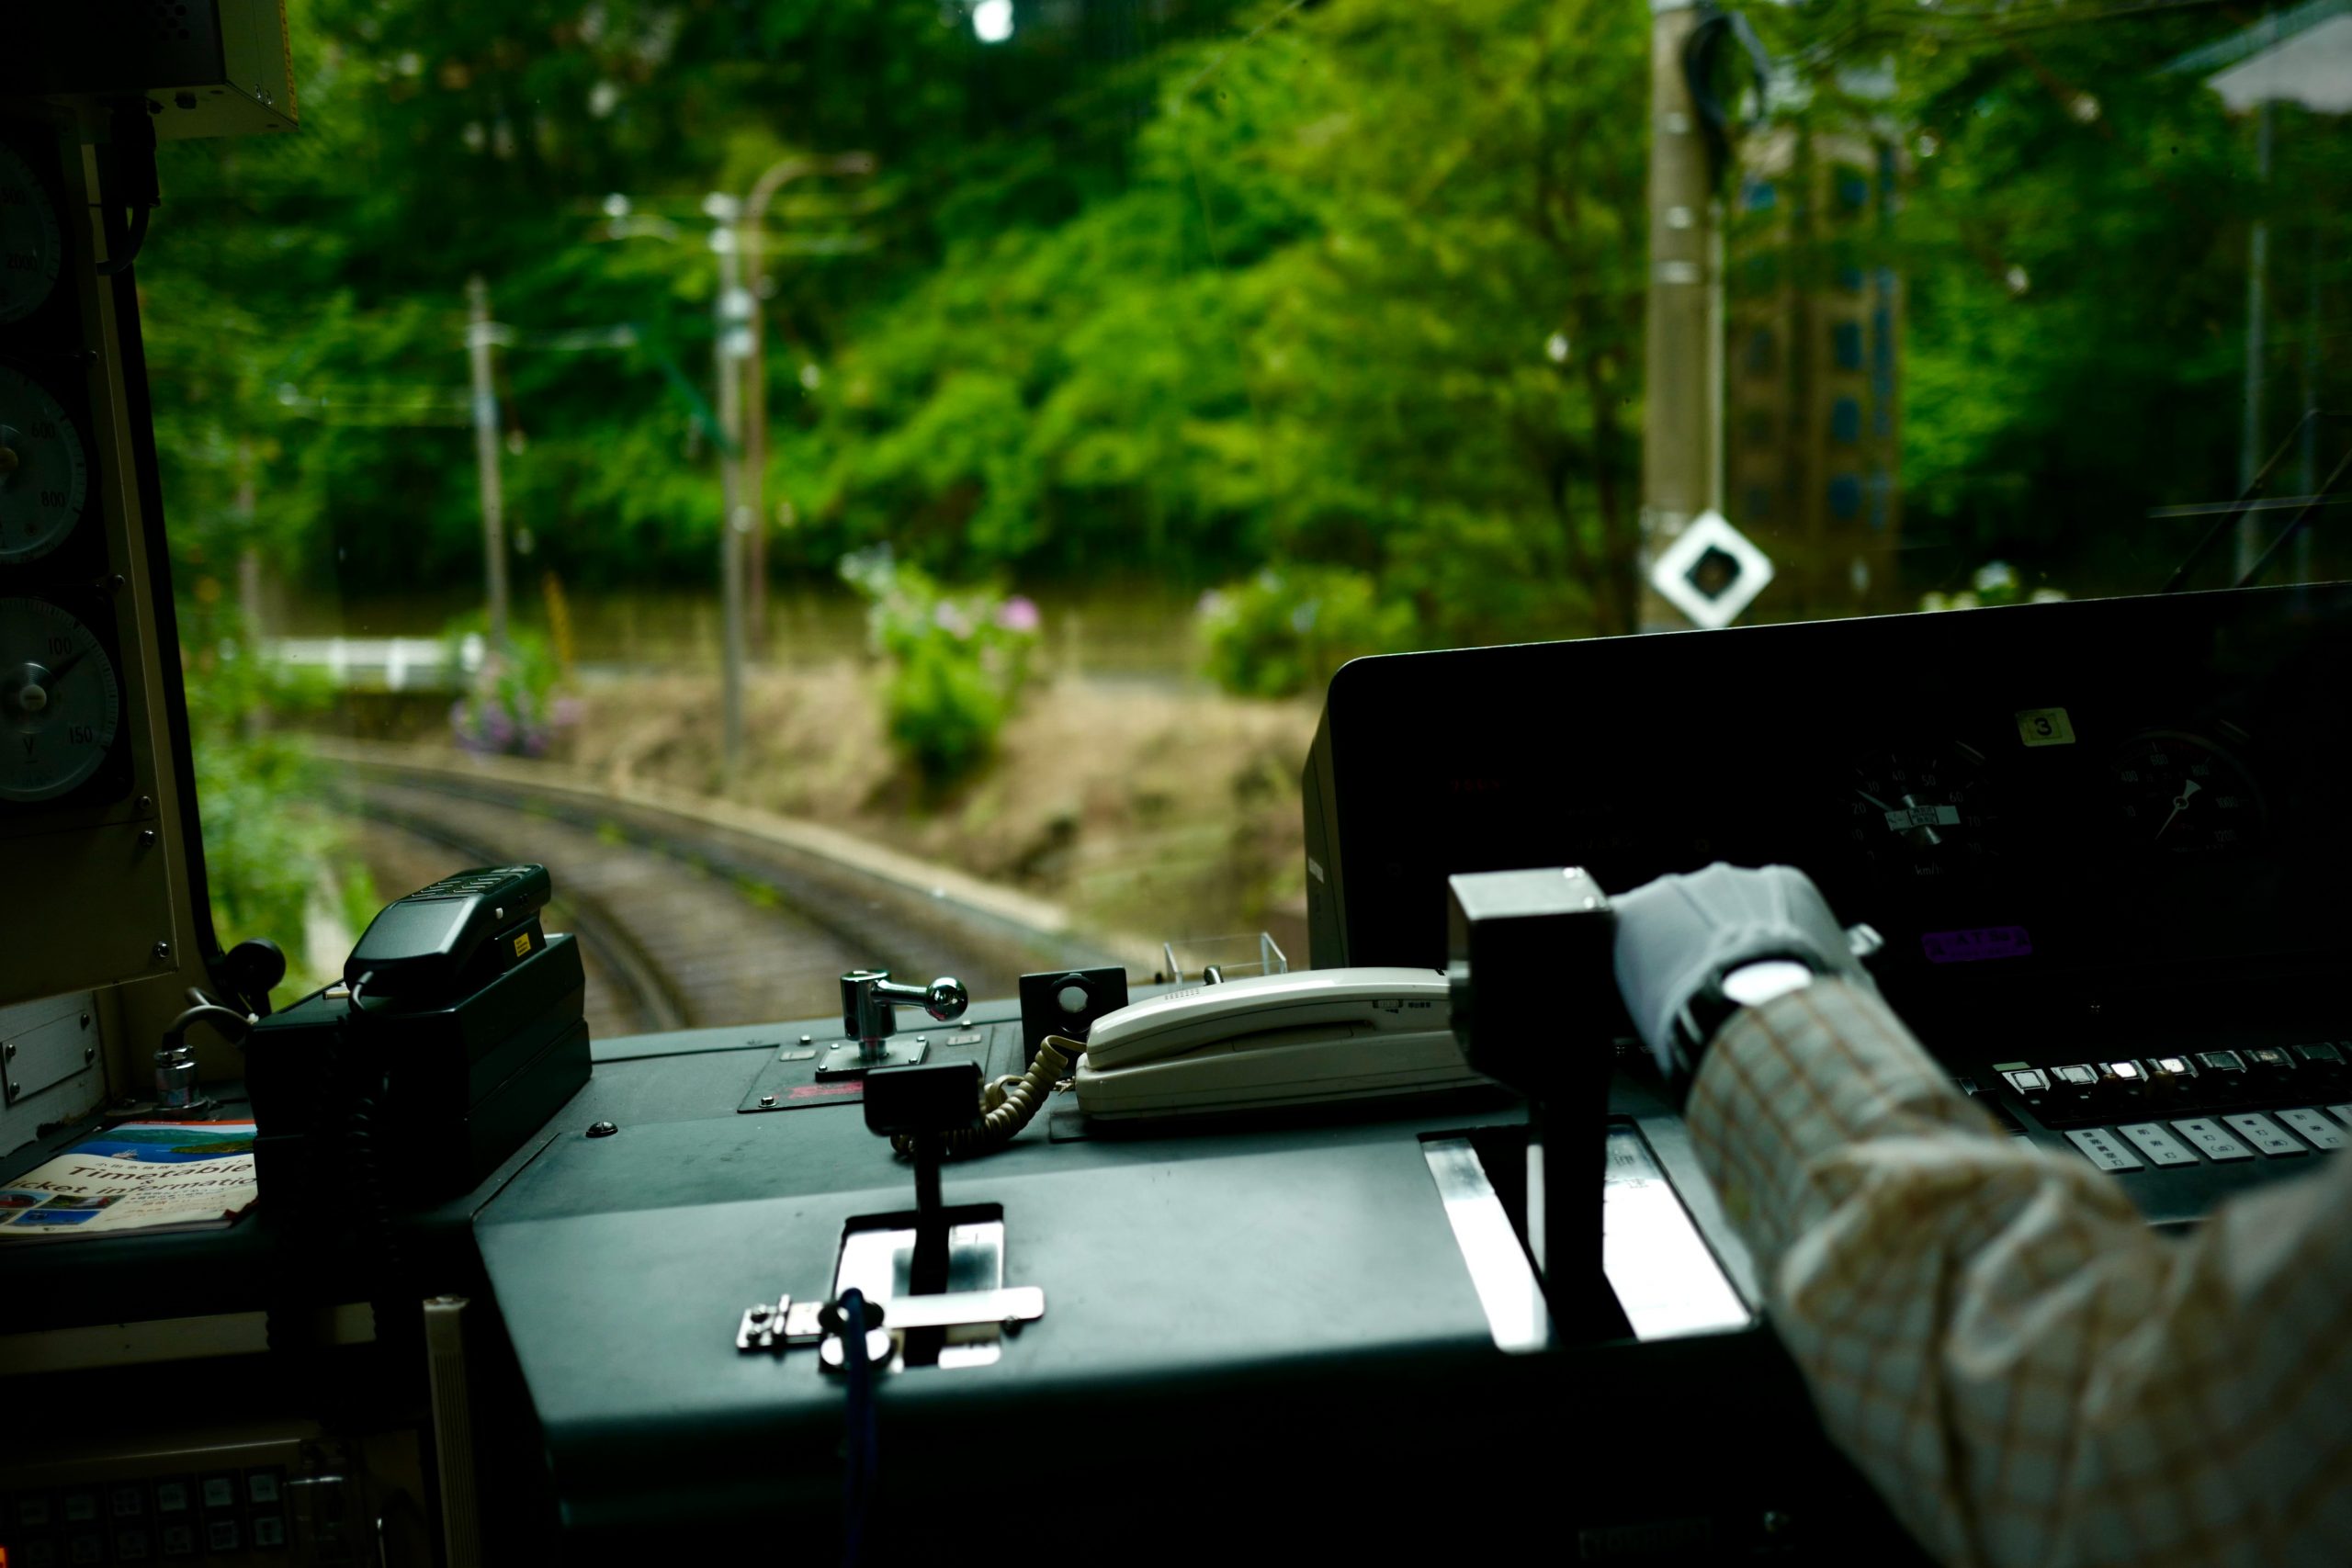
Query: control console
{"x": 2105, "y": 841}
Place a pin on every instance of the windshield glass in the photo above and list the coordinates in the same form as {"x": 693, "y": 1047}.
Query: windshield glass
{"x": 885, "y": 483}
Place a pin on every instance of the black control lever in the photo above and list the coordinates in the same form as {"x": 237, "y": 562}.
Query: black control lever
{"x": 1541, "y": 944}
{"x": 925, "y": 1103}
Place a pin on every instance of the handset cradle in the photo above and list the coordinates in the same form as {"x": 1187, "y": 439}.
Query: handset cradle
{"x": 1273, "y": 1041}
{"x": 451, "y": 937}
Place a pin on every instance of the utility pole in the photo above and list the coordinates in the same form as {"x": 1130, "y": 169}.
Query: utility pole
{"x": 1680, "y": 473}
{"x": 480, "y": 335}
{"x": 2251, "y": 541}
{"x": 731, "y": 314}
{"x": 755, "y": 377}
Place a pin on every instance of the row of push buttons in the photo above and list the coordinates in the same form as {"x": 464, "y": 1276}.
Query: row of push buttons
{"x": 216, "y": 1513}
{"x": 2107, "y": 1092}
{"x": 2212, "y": 1139}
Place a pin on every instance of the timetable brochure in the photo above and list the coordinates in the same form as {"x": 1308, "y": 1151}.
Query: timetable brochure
{"x": 136, "y": 1178}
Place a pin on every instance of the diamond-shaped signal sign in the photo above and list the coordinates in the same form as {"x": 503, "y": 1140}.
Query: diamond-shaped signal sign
{"x": 1711, "y": 572}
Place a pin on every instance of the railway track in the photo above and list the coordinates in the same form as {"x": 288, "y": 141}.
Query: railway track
{"x": 684, "y": 923}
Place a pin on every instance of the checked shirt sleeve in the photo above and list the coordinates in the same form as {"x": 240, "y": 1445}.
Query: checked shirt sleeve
{"x": 2028, "y": 1372}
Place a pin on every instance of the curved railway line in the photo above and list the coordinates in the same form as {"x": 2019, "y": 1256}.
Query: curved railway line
{"x": 685, "y": 923}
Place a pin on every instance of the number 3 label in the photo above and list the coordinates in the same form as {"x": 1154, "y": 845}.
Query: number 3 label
{"x": 2045, "y": 727}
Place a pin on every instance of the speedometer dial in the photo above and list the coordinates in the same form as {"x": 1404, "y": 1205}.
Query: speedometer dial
{"x": 44, "y": 475}
{"x": 59, "y": 705}
{"x": 2180, "y": 795}
{"x": 1921, "y": 811}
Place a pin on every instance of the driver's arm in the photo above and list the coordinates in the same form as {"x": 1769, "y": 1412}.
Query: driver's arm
{"x": 2028, "y": 1372}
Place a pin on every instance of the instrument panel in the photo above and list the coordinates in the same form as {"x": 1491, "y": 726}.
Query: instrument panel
{"x": 64, "y": 741}
{"x": 2053, "y": 801}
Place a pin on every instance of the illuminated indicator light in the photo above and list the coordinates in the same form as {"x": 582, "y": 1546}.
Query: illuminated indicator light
{"x": 2172, "y": 1065}
{"x": 2124, "y": 1070}
{"x": 1975, "y": 946}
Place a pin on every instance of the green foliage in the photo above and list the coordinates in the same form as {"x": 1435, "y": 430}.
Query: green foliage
{"x": 1287, "y": 629}
{"x": 1314, "y": 326}
{"x": 957, "y": 663}
{"x": 268, "y": 847}
{"x": 1180, "y": 291}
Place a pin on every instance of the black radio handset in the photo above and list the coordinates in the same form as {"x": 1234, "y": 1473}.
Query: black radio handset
{"x": 451, "y": 935}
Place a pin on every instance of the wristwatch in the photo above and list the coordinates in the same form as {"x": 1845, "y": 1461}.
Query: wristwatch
{"x": 1750, "y": 983}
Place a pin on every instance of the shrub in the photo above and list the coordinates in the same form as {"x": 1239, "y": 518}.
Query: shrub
{"x": 514, "y": 708}
{"x": 1287, "y": 629}
{"x": 957, "y": 663}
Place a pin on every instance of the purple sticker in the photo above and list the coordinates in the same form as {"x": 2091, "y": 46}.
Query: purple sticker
{"x": 1968, "y": 947}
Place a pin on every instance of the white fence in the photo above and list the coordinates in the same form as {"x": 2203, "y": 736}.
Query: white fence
{"x": 374, "y": 663}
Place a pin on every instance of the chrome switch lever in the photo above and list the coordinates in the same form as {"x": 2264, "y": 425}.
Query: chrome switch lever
{"x": 870, "y": 1000}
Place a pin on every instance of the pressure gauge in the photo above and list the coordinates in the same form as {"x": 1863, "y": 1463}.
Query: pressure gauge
{"x": 59, "y": 705}
{"x": 44, "y": 477}
{"x": 29, "y": 247}
{"x": 2180, "y": 795}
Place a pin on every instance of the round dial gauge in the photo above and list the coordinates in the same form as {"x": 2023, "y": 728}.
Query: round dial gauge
{"x": 2179, "y": 795}
{"x": 30, "y": 248}
{"x": 44, "y": 475}
{"x": 1920, "y": 810}
{"x": 59, "y": 702}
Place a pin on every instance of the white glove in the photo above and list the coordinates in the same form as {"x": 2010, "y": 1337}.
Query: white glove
{"x": 1678, "y": 937}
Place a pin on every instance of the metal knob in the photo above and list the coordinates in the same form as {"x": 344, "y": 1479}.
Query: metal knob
{"x": 869, "y": 997}
{"x": 176, "y": 1084}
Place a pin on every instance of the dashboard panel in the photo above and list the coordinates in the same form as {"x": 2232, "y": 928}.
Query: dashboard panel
{"x": 2039, "y": 807}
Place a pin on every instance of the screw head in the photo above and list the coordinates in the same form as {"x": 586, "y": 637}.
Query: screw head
{"x": 602, "y": 1129}
{"x": 161, "y": 950}
{"x": 9, "y": 1050}
{"x": 12, "y": 1088}
{"x": 146, "y": 804}
{"x": 146, "y": 838}
{"x": 88, "y": 1051}
{"x": 85, "y": 1021}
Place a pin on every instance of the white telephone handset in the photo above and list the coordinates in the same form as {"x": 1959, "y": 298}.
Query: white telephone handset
{"x": 1273, "y": 1040}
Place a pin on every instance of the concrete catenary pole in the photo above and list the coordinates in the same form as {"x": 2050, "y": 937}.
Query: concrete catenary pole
{"x": 481, "y": 333}
{"x": 1680, "y": 445}
{"x": 729, "y": 310}
{"x": 2252, "y": 538}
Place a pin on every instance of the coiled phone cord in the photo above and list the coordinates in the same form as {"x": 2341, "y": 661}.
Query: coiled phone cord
{"x": 1000, "y": 1123}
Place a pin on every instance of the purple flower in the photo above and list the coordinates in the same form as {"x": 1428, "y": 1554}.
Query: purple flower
{"x": 1018, "y": 614}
